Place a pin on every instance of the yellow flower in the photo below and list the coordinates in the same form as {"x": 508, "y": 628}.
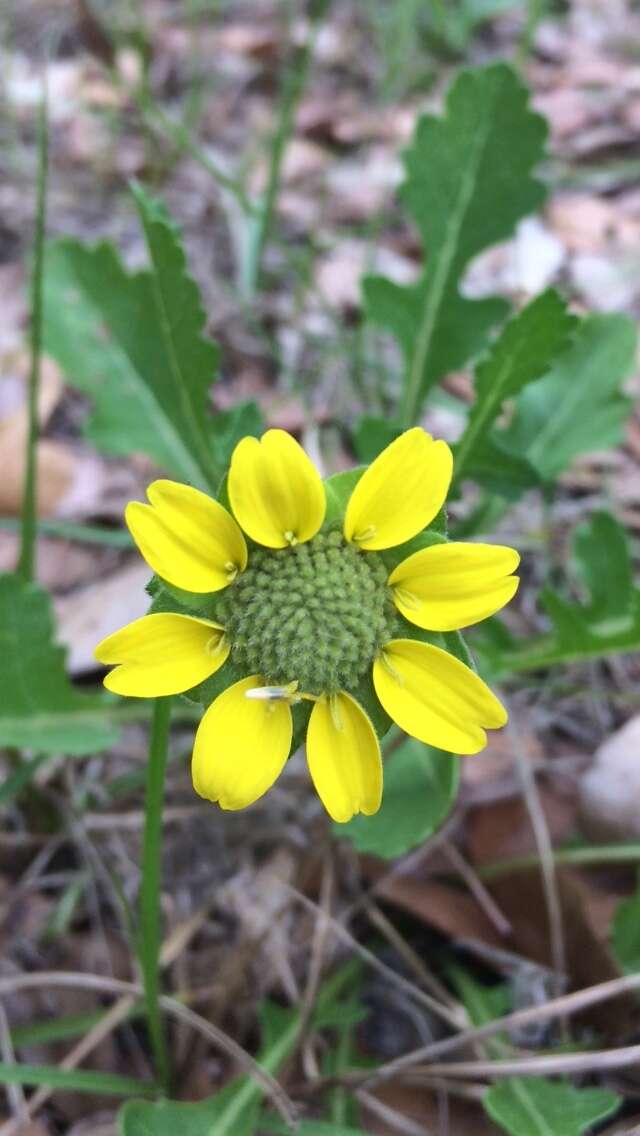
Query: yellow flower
{"x": 306, "y": 612}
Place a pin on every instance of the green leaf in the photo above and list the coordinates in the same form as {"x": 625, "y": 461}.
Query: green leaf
{"x": 231, "y": 1112}
{"x": 229, "y": 426}
{"x": 73, "y": 1080}
{"x": 372, "y": 435}
{"x": 338, "y": 489}
{"x": 607, "y": 623}
{"x": 523, "y": 352}
{"x": 482, "y": 1003}
{"x": 625, "y": 934}
{"x": 498, "y": 470}
{"x": 469, "y": 181}
{"x": 133, "y": 342}
{"x": 536, "y": 1106}
{"x": 420, "y": 787}
{"x": 39, "y": 708}
{"x": 201, "y": 1118}
{"x": 578, "y": 407}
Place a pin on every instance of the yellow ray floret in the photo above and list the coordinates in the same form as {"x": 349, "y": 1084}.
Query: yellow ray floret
{"x": 185, "y": 536}
{"x": 162, "y": 654}
{"x": 436, "y": 698}
{"x": 275, "y": 491}
{"x": 400, "y": 493}
{"x": 449, "y": 586}
{"x": 241, "y": 746}
{"x": 344, "y": 760}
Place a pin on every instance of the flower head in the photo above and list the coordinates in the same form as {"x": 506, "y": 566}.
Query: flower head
{"x": 312, "y": 609}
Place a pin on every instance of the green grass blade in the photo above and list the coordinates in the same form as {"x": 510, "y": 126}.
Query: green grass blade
{"x": 74, "y": 1080}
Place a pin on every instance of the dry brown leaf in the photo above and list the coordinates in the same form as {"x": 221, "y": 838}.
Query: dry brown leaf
{"x": 450, "y": 910}
{"x": 89, "y": 614}
{"x": 463, "y": 1118}
{"x": 521, "y": 898}
{"x": 501, "y": 830}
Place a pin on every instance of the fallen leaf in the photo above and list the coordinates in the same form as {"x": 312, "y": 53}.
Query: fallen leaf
{"x": 89, "y": 614}
{"x": 450, "y": 910}
{"x": 449, "y": 1114}
{"x": 501, "y": 830}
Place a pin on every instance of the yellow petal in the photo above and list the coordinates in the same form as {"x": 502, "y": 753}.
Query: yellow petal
{"x": 344, "y": 760}
{"x": 241, "y": 746}
{"x": 400, "y": 492}
{"x": 436, "y": 698}
{"x": 187, "y": 538}
{"x": 160, "y": 654}
{"x": 448, "y": 586}
{"x": 275, "y": 490}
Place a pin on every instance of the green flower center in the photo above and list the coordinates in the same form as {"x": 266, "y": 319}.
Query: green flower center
{"x": 316, "y": 613}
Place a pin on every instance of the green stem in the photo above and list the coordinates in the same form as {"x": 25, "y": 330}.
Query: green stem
{"x": 603, "y": 854}
{"x": 150, "y": 929}
{"x": 293, "y": 86}
{"x": 26, "y": 562}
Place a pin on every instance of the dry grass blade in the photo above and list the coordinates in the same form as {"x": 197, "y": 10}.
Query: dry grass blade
{"x": 371, "y": 960}
{"x": 568, "y": 1004}
{"x": 216, "y": 1036}
{"x": 595, "y": 1062}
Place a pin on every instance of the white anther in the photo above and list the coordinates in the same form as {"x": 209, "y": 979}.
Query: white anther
{"x": 274, "y": 693}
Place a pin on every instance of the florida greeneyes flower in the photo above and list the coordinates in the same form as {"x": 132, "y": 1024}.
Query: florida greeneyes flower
{"x": 308, "y": 609}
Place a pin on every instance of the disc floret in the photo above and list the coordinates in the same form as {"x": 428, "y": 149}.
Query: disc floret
{"x": 316, "y": 613}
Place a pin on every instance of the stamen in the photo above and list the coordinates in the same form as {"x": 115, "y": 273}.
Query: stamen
{"x": 366, "y": 534}
{"x": 335, "y": 712}
{"x": 290, "y": 538}
{"x": 232, "y": 570}
{"x": 286, "y": 693}
{"x": 384, "y": 659}
{"x": 407, "y": 598}
{"x": 216, "y": 644}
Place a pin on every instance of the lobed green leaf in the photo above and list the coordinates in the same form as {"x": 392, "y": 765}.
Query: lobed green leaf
{"x": 39, "y": 708}
{"x": 578, "y": 407}
{"x": 134, "y": 343}
{"x": 607, "y": 621}
{"x": 536, "y": 1106}
{"x": 523, "y": 352}
{"x": 469, "y": 180}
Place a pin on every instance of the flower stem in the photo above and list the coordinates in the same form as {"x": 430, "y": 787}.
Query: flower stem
{"x": 150, "y": 930}
{"x": 26, "y": 561}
